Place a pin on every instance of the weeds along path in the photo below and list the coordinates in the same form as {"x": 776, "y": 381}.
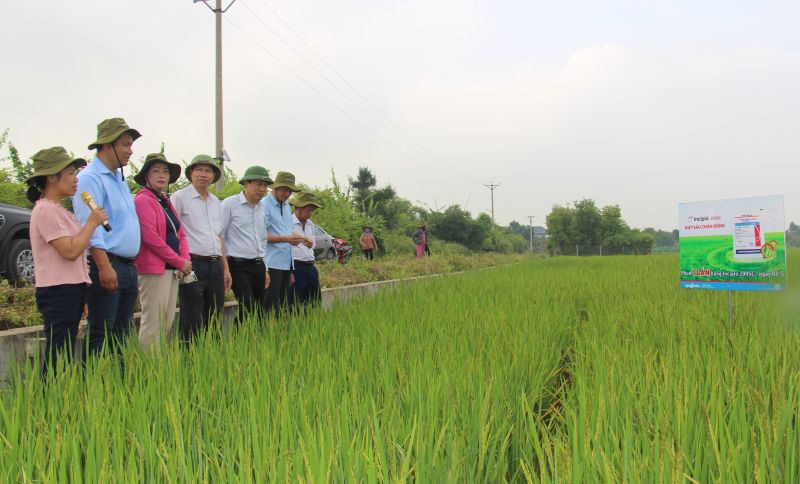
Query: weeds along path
{"x": 564, "y": 369}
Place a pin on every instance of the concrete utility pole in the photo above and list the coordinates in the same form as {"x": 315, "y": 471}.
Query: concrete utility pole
{"x": 530, "y": 226}
{"x": 491, "y": 186}
{"x": 220, "y": 151}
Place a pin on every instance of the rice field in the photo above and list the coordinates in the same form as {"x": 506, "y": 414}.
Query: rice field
{"x": 553, "y": 370}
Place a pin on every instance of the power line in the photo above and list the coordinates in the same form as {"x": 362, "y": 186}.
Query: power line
{"x": 422, "y": 148}
{"x": 333, "y": 84}
{"x": 334, "y": 104}
{"x": 423, "y": 154}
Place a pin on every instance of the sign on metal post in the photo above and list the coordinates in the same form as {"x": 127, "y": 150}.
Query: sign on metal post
{"x": 734, "y": 245}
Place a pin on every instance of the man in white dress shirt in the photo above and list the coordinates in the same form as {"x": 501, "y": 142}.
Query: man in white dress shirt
{"x": 245, "y": 237}
{"x": 306, "y": 289}
{"x": 200, "y": 213}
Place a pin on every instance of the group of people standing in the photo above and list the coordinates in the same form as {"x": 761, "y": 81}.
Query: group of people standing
{"x": 186, "y": 248}
{"x": 369, "y": 243}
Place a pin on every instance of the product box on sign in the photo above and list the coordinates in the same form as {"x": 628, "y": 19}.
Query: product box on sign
{"x": 736, "y": 244}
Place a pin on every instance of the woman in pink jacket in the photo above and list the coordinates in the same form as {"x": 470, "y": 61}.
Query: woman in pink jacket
{"x": 163, "y": 259}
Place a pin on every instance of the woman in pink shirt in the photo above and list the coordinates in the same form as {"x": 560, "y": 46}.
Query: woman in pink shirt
{"x": 59, "y": 246}
{"x": 163, "y": 258}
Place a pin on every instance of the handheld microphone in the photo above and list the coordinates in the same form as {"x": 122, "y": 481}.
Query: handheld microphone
{"x": 87, "y": 199}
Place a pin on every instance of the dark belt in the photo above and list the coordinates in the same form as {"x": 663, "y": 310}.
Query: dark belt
{"x": 242, "y": 260}
{"x": 116, "y": 258}
{"x": 205, "y": 258}
{"x": 304, "y": 262}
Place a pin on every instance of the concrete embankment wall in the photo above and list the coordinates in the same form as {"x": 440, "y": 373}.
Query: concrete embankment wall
{"x": 18, "y": 345}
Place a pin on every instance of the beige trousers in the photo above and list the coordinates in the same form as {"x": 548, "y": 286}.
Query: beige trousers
{"x": 158, "y": 295}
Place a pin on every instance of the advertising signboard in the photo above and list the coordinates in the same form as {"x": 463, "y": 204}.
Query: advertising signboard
{"x": 736, "y": 244}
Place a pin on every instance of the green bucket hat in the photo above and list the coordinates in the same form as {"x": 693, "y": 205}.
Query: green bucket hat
{"x": 203, "y": 160}
{"x": 257, "y": 173}
{"x": 110, "y": 129}
{"x": 51, "y": 161}
{"x": 284, "y": 179}
{"x": 150, "y": 160}
{"x": 304, "y": 199}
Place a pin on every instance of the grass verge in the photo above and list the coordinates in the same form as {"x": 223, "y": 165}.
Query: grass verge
{"x": 18, "y": 304}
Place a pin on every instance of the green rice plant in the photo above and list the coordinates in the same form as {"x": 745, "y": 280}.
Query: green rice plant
{"x": 551, "y": 370}
{"x": 666, "y": 389}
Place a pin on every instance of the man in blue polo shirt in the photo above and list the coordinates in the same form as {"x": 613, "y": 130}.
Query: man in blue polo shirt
{"x": 112, "y": 250}
{"x": 280, "y": 239}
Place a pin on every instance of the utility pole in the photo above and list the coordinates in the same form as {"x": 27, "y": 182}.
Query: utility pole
{"x": 220, "y": 151}
{"x": 530, "y": 226}
{"x": 491, "y": 186}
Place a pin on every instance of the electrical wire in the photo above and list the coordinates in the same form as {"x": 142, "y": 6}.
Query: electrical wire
{"x": 453, "y": 176}
{"x": 419, "y": 148}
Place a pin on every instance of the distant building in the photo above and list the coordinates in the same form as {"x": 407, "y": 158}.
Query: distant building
{"x": 539, "y": 231}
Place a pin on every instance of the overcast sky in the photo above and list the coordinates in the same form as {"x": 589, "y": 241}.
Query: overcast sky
{"x": 640, "y": 103}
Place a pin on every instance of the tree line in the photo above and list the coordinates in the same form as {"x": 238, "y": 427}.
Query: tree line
{"x": 363, "y": 202}
{"x": 582, "y": 228}
{"x": 586, "y": 229}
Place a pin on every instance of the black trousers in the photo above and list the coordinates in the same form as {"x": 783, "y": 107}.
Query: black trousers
{"x": 202, "y": 298}
{"x": 368, "y": 253}
{"x": 248, "y": 283}
{"x": 276, "y": 296}
{"x": 306, "y": 289}
{"x": 61, "y": 307}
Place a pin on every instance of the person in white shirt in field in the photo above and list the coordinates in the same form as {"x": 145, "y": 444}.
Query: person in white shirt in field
{"x": 306, "y": 289}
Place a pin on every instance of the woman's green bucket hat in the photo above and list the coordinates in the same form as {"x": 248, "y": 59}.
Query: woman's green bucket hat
{"x": 304, "y": 199}
{"x": 110, "y": 129}
{"x": 203, "y": 160}
{"x": 284, "y": 179}
{"x": 51, "y": 161}
{"x": 152, "y": 159}
{"x": 255, "y": 173}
